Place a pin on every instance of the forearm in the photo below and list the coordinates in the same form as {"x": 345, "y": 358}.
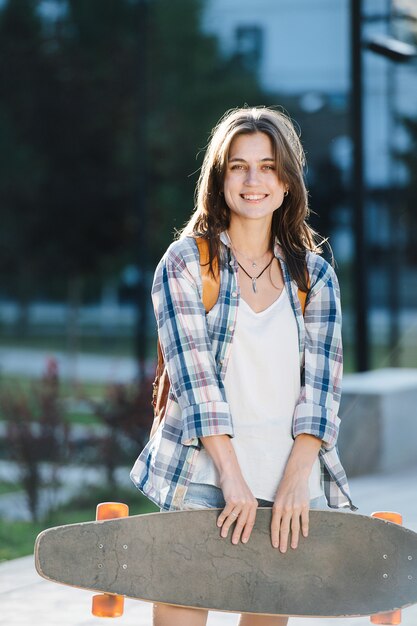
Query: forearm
{"x": 220, "y": 449}
{"x": 240, "y": 503}
{"x": 303, "y": 455}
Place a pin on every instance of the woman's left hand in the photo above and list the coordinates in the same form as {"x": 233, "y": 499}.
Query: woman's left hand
{"x": 290, "y": 512}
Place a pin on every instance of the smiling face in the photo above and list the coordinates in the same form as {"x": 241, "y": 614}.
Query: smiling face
{"x": 252, "y": 189}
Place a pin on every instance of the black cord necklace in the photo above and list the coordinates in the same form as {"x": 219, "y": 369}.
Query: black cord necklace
{"x": 255, "y": 278}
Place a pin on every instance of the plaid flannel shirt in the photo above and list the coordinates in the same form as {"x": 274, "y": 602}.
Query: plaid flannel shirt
{"x": 197, "y": 349}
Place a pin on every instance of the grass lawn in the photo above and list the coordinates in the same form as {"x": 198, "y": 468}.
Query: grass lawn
{"x": 84, "y": 389}
{"x": 89, "y": 390}
{"x": 109, "y": 346}
{"x": 7, "y": 487}
{"x": 82, "y": 418}
{"x": 18, "y": 538}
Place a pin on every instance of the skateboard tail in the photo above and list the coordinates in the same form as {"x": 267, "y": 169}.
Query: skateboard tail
{"x": 105, "y": 604}
{"x": 37, "y": 550}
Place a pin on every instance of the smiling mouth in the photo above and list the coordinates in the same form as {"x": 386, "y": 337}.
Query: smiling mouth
{"x": 253, "y": 197}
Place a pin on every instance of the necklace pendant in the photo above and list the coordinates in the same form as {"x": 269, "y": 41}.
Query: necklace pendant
{"x": 254, "y": 264}
{"x": 254, "y": 285}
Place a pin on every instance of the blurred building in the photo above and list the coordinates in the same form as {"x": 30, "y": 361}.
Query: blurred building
{"x": 302, "y": 48}
{"x": 302, "y": 51}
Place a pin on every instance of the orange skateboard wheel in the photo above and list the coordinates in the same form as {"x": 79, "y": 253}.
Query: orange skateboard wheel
{"x": 107, "y": 605}
{"x": 390, "y": 516}
{"x": 387, "y": 618}
{"x": 111, "y": 510}
{"x": 394, "y": 617}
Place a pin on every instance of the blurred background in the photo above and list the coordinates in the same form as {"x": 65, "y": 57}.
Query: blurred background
{"x": 105, "y": 109}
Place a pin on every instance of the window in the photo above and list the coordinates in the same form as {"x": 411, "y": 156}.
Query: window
{"x": 249, "y": 43}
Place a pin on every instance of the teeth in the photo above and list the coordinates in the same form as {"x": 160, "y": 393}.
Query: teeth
{"x": 253, "y": 197}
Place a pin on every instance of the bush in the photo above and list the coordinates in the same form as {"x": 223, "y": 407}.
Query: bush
{"x": 36, "y": 432}
{"x": 126, "y": 412}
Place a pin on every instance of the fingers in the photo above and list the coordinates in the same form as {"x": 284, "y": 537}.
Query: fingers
{"x": 250, "y": 523}
{"x": 295, "y": 530}
{"x": 226, "y": 518}
{"x": 242, "y": 515}
{"x": 305, "y": 521}
{"x": 286, "y": 521}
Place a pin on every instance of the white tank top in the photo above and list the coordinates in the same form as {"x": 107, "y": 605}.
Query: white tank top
{"x": 262, "y": 386}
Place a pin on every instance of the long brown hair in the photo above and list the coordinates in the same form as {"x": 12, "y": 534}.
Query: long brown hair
{"x": 289, "y": 222}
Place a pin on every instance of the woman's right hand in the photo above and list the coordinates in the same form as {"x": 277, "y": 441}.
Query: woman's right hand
{"x": 240, "y": 509}
{"x": 241, "y": 504}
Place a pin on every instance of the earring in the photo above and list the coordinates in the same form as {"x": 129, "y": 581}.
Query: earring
{"x": 285, "y": 193}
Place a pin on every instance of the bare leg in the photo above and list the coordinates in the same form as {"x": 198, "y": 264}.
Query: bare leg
{"x": 262, "y": 620}
{"x": 168, "y": 615}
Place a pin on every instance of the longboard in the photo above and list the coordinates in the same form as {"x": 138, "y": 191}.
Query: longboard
{"x": 349, "y": 565}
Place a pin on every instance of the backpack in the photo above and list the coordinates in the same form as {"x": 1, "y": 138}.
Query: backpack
{"x": 211, "y": 288}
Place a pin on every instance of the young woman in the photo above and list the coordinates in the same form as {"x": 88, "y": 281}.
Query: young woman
{"x": 255, "y": 383}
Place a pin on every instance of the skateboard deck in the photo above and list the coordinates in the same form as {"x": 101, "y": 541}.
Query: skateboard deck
{"x": 349, "y": 565}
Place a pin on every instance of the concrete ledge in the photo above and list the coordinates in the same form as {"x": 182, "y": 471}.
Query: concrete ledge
{"x": 379, "y": 421}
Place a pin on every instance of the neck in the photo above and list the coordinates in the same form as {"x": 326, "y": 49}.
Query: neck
{"x": 252, "y": 239}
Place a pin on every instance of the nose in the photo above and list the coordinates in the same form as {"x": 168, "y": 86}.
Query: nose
{"x": 251, "y": 176}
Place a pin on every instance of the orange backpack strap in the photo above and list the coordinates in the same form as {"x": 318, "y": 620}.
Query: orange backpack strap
{"x": 211, "y": 288}
{"x": 302, "y": 295}
{"x": 211, "y": 285}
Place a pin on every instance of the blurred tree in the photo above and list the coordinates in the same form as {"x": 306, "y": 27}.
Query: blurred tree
{"x": 23, "y": 163}
{"x": 191, "y": 85}
{"x": 75, "y": 122}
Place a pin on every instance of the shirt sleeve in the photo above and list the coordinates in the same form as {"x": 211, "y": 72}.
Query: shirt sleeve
{"x": 317, "y": 410}
{"x": 186, "y": 346}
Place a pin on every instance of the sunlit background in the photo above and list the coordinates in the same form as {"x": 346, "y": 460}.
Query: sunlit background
{"x": 105, "y": 109}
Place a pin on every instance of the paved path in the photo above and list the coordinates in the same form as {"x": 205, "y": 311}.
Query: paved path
{"x": 27, "y": 600}
{"x": 86, "y": 367}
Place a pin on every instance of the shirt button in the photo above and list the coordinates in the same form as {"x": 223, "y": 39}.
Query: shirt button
{"x": 234, "y": 294}
{"x": 230, "y": 328}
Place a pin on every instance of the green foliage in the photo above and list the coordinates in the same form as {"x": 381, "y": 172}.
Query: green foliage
{"x": 108, "y": 104}
{"x": 190, "y": 86}
{"x": 22, "y": 158}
